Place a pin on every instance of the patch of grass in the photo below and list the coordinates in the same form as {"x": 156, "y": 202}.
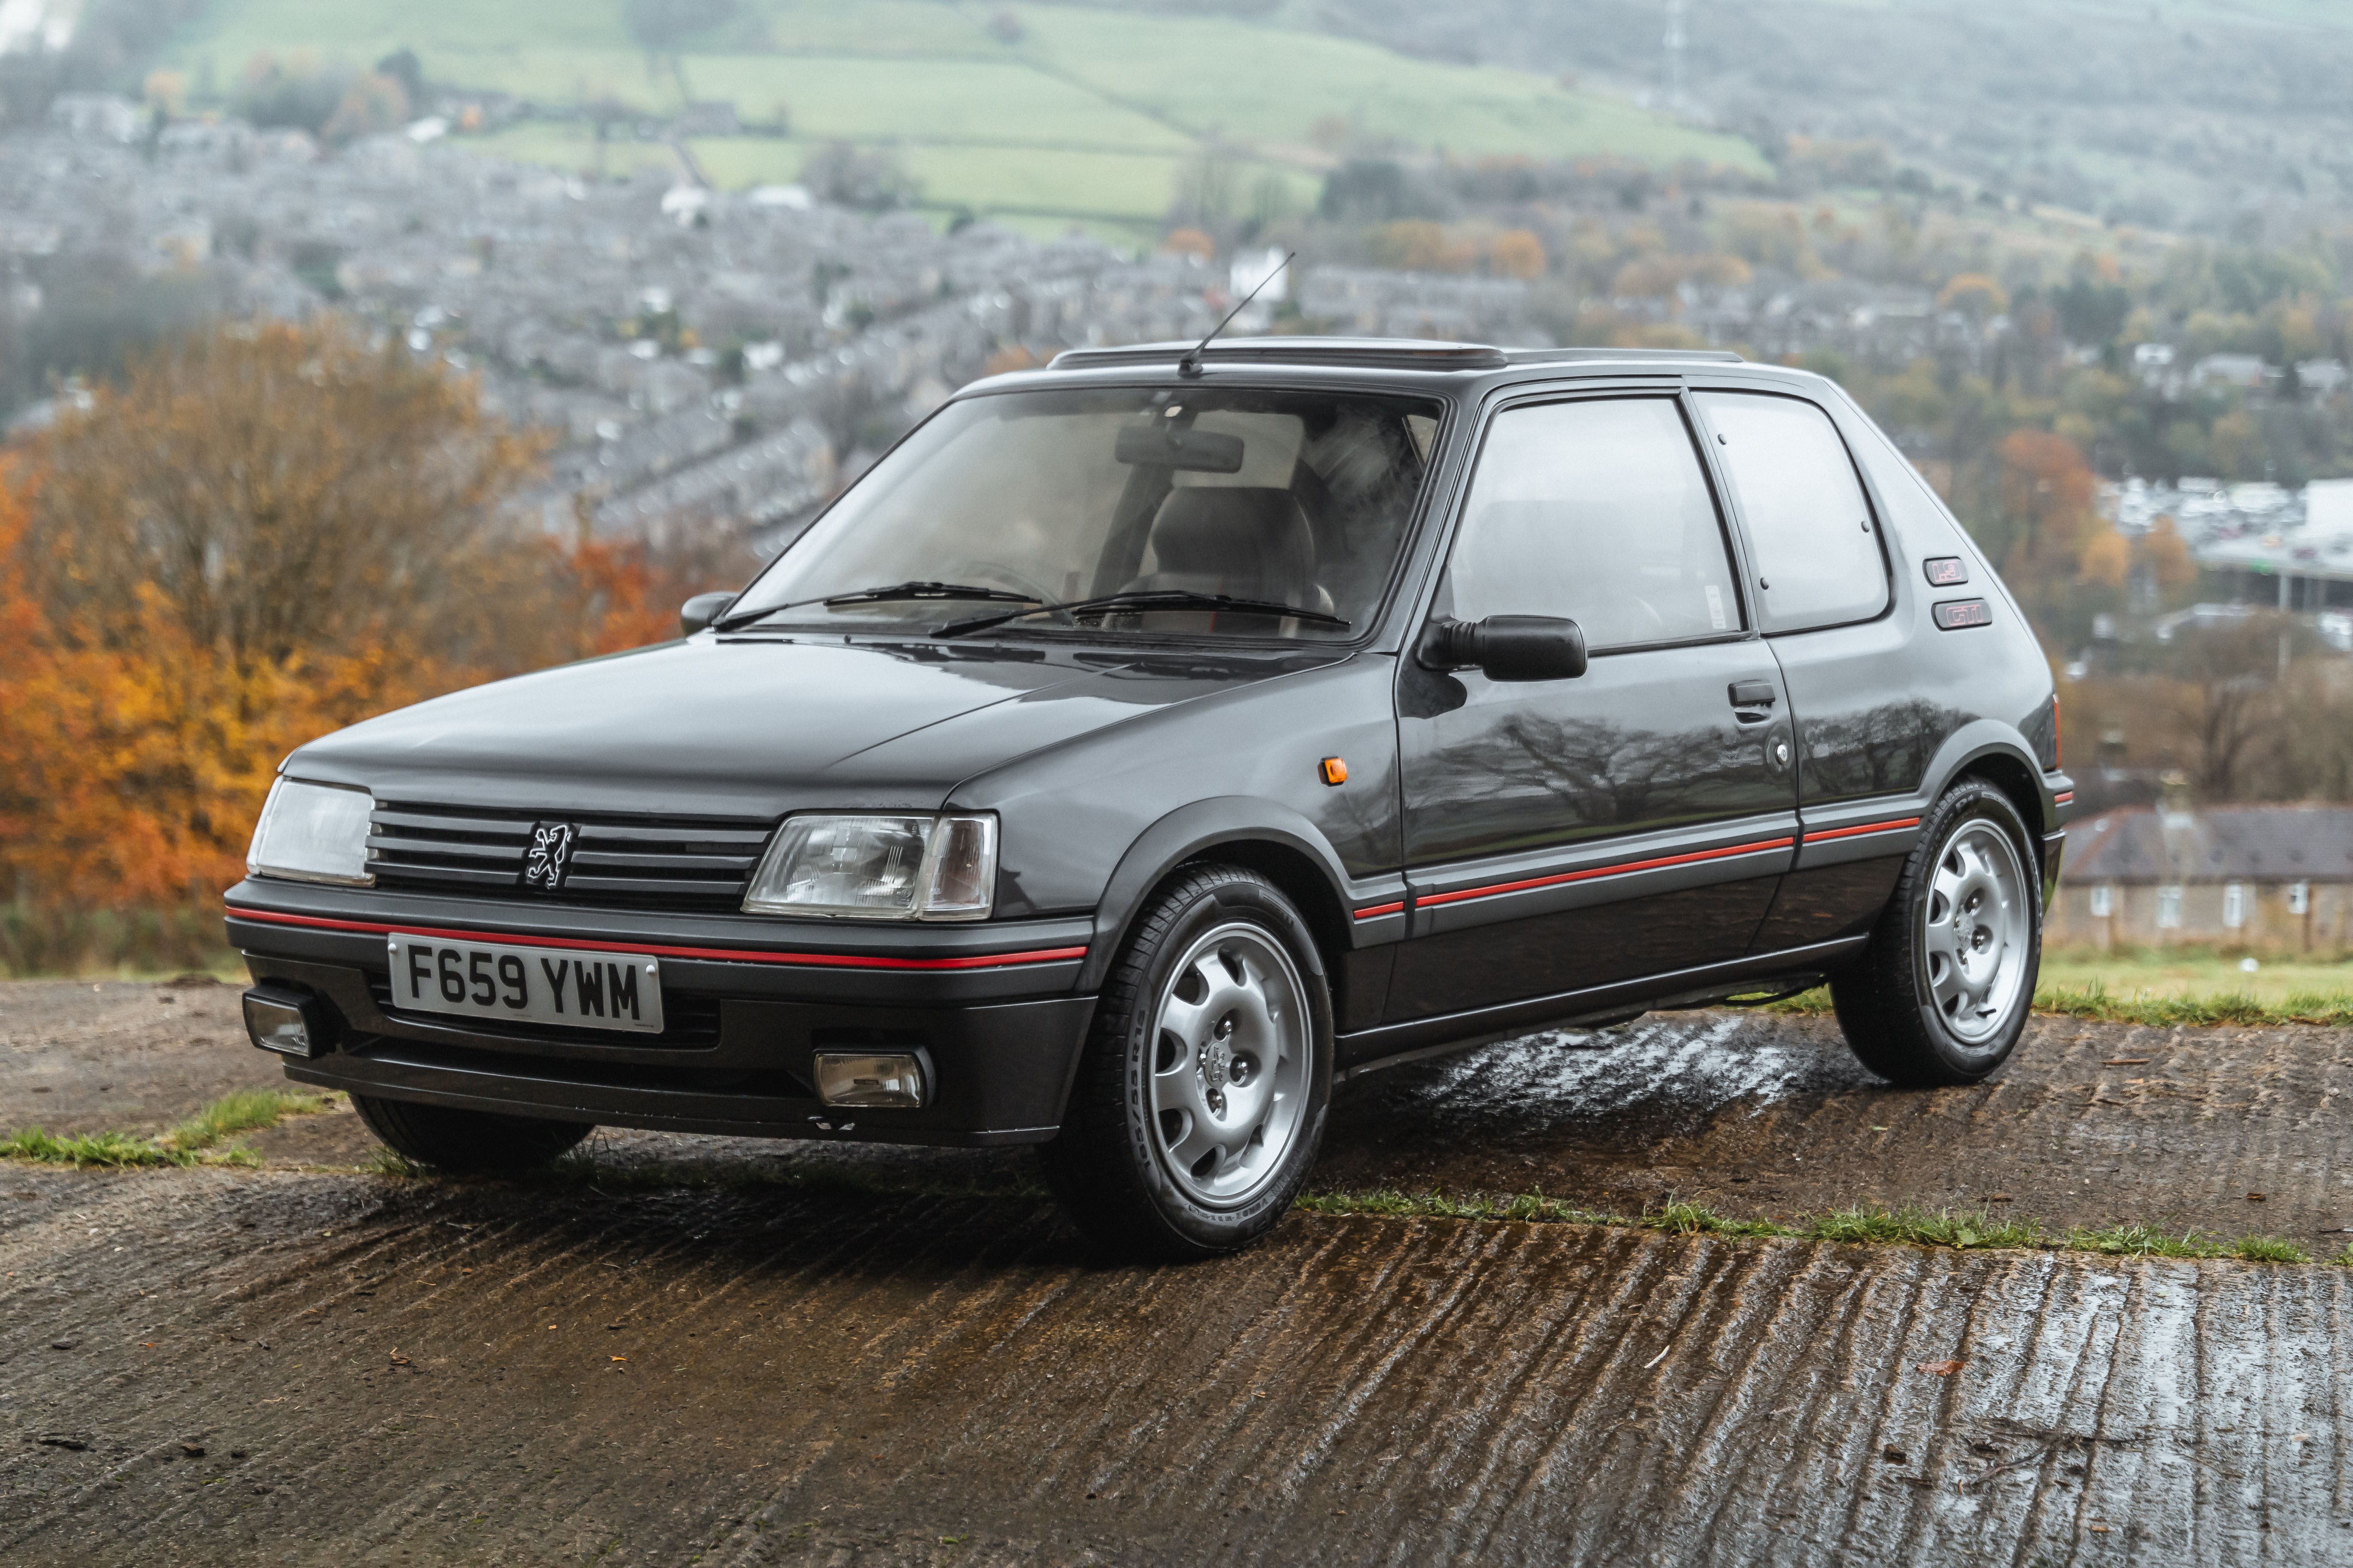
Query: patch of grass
{"x": 2095, "y": 1000}
{"x": 1861, "y": 1223}
{"x": 115, "y": 1149}
{"x": 1919, "y": 1227}
{"x": 1680, "y": 1218}
{"x": 2137, "y": 1241}
{"x": 244, "y": 1111}
{"x": 2268, "y": 1250}
{"x": 189, "y": 1143}
{"x": 2342, "y": 1258}
{"x": 2197, "y": 971}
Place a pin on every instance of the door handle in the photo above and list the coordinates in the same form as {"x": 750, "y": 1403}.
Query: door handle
{"x": 1753, "y": 694}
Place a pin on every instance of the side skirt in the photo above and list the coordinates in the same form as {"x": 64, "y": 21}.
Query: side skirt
{"x": 1393, "y": 1045}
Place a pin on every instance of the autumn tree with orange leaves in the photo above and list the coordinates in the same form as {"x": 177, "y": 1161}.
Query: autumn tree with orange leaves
{"x": 260, "y": 535}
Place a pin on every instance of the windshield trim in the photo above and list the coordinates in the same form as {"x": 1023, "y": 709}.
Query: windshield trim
{"x": 1374, "y": 623}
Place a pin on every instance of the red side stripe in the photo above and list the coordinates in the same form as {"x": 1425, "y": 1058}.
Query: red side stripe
{"x": 2064, "y": 797}
{"x": 1617, "y": 870}
{"x": 728, "y": 955}
{"x": 1380, "y": 909}
{"x": 1900, "y": 823}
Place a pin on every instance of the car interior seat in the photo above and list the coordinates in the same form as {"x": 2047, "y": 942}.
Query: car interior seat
{"x": 1251, "y": 542}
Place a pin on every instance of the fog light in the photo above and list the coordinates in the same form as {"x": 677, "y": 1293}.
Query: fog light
{"x": 890, "y": 1081}
{"x": 292, "y": 1022}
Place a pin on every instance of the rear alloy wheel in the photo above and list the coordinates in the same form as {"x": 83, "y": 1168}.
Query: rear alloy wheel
{"x": 1199, "y": 1104}
{"x": 449, "y": 1139}
{"x": 1942, "y": 995}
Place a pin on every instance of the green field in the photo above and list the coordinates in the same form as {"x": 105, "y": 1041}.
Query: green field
{"x": 2196, "y": 973}
{"x": 1088, "y": 113}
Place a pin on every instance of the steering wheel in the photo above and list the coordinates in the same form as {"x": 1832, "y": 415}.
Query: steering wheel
{"x": 972, "y": 568}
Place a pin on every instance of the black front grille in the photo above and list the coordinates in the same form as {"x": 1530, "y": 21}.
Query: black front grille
{"x": 690, "y": 1022}
{"x": 632, "y": 862}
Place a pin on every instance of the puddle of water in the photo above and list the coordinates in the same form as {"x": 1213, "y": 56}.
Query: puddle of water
{"x": 1685, "y": 1065}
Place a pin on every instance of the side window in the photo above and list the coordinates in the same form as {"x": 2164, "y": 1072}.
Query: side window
{"x": 1810, "y": 528}
{"x": 1600, "y": 511}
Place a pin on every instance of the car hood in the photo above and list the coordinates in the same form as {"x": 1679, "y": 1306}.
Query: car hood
{"x": 759, "y": 726}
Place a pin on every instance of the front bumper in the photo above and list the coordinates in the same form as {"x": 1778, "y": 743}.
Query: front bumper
{"x": 992, "y": 1007}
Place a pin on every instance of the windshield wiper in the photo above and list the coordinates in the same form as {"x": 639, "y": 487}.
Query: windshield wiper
{"x": 1148, "y": 599}
{"x": 889, "y": 594}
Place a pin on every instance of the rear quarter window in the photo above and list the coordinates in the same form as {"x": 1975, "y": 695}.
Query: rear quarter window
{"x": 1811, "y": 536}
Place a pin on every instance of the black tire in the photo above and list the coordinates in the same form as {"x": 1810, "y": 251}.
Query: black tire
{"x": 467, "y": 1140}
{"x": 1110, "y": 1166}
{"x": 1887, "y": 1001}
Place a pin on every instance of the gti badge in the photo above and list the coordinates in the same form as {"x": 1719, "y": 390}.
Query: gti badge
{"x": 550, "y": 859}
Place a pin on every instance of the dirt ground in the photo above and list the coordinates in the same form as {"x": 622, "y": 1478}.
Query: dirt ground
{"x": 387, "y": 1369}
{"x": 1753, "y": 1113}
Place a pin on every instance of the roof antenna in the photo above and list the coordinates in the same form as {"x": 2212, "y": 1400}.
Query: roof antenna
{"x": 1191, "y": 365}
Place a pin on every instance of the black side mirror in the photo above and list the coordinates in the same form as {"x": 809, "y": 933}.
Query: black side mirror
{"x": 1506, "y": 648}
{"x": 701, "y": 610}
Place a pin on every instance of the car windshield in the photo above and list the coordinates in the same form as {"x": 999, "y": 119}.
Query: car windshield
{"x": 1154, "y": 499}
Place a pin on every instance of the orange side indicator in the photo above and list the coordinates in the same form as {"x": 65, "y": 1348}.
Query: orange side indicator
{"x": 1335, "y": 771}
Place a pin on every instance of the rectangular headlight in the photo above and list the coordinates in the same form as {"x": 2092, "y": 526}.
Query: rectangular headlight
{"x": 878, "y": 868}
{"x": 312, "y": 832}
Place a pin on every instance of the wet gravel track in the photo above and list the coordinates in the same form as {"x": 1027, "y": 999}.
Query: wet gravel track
{"x": 889, "y": 1375}
{"x": 846, "y": 1378}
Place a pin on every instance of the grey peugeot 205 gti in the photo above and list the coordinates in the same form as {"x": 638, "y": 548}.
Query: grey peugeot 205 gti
{"x": 1149, "y": 743}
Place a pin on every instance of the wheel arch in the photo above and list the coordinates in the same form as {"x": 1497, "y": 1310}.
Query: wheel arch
{"x": 2019, "y": 780}
{"x": 2001, "y": 756}
{"x": 1261, "y": 835}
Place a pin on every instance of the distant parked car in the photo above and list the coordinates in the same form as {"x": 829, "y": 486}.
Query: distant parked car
{"x": 1146, "y": 744}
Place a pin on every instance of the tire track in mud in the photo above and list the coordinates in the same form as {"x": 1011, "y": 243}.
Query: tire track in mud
{"x": 900, "y": 1369}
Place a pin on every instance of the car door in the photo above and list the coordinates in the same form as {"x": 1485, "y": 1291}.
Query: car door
{"x": 1867, "y": 721}
{"x": 1629, "y": 821}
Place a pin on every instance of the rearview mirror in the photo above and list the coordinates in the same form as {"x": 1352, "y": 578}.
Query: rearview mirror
{"x": 1506, "y": 648}
{"x": 700, "y": 611}
{"x": 1159, "y": 445}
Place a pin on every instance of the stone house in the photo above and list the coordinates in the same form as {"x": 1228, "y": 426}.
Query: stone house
{"x": 2275, "y": 878}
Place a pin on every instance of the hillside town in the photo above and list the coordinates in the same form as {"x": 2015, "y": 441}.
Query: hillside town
{"x": 714, "y": 359}
{"x": 701, "y": 357}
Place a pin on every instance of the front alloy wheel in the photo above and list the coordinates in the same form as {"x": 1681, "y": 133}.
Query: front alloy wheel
{"x": 1942, "y": 993}
{"x": 1229, "y": 1059}
{"x": 1199, "y": 1102}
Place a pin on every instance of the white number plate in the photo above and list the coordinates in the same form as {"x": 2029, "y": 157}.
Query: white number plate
{"x": 527, "y": 984}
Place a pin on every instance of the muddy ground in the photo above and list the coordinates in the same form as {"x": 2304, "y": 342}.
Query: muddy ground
{"x": 919, "y": 1364}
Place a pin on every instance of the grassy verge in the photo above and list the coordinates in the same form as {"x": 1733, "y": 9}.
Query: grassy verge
{"x": 37, "y": 942}
{"x": 192, "y": 1143}
{"x": 2096, "y": 1001}
{"x": 2197, "y": 971}
{"x": 1910, "y": 1225}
